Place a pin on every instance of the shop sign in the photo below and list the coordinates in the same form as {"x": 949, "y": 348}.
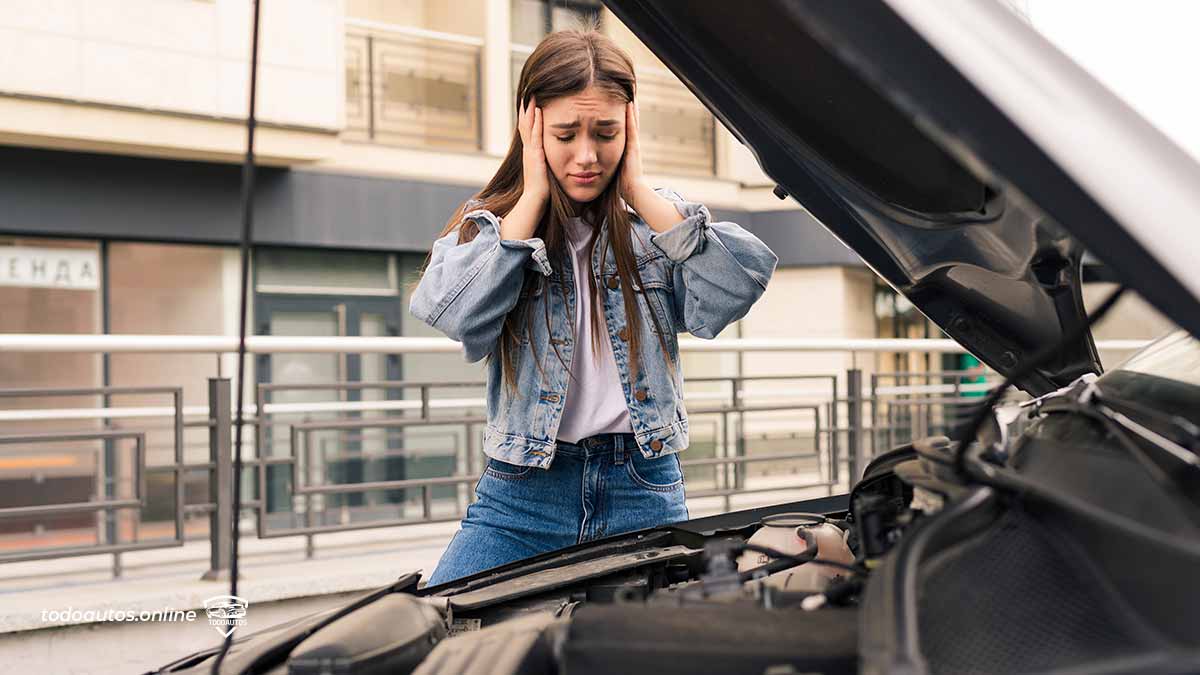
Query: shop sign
{"x": 49, "y": 267}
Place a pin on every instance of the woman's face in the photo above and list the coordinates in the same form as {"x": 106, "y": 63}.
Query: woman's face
{"x": 584, "y": 139}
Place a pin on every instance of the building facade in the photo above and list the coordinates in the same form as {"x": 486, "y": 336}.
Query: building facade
{"x": 121, "y": 133}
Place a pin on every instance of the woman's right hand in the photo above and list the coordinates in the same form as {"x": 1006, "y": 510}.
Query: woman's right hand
{"x": 529, "y": 125}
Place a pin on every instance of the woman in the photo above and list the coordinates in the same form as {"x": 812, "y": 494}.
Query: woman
{"x": 573, "y": 277}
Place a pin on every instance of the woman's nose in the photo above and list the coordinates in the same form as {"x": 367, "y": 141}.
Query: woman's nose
{"x": 586, "y": 155}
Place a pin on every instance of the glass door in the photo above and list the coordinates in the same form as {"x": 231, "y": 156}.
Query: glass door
{"x": 334, "y": 456}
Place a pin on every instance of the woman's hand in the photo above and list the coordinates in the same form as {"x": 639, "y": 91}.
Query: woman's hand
{"x": 631, "y": 171}
{"x": 522, "y": 221}
{"x": 658, "y": 212}
{"x": 533, "y": 156}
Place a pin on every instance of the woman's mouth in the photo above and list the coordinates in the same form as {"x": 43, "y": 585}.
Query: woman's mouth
{"x": 585, "y": 178}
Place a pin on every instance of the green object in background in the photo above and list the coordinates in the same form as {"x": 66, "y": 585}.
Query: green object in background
{"x": 969, "y": 362}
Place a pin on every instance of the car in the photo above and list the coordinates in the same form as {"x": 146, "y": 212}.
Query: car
{"x": 971, "y": 165}
{"x": 225, "y": 607}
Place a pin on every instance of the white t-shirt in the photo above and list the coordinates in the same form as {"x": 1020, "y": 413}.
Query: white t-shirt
{"x": 595, "y": 399}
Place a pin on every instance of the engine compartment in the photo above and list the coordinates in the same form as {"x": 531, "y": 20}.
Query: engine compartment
{"x": 944, "y": 574}
{"x": 685, "y": 601}
{"x": 948, "y": 576}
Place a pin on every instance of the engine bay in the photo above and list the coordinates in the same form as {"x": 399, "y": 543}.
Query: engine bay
{"x": 919, "y": 569}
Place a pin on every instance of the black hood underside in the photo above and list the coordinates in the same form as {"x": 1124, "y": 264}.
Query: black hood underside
{"x": 979, "y": 257}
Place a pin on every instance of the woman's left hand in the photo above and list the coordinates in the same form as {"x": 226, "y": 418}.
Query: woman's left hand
{"x": 658, "y": 212}
{"x": 631, "y": 171}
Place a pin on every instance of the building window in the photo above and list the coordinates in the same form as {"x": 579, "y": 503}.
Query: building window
{"x": 49, "y": 286}
{"x": 322, "y": 272}
{"x": 532, "y": 20}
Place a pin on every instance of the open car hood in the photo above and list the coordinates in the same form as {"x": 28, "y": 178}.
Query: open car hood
{"x": 960, "y": 154}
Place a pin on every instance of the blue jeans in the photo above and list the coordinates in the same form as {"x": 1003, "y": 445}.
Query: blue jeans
{"x": 599, "y": 487}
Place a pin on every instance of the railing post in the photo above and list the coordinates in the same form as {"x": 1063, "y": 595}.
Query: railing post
{"x": 739, "y": 440}
{"x": 220, "y": 482}
{"x": 834, "y": 432}
{"x": 854, "y": 424}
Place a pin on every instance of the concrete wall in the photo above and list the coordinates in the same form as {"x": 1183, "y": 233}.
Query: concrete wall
{"x": 183, "y": 56}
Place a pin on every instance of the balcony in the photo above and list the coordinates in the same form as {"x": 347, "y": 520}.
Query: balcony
{"x": 412, "y": 87}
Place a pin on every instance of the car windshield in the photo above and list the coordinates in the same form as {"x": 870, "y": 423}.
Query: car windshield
{"x": 1165, "y": 375}
{"x": 1175, "y": 356}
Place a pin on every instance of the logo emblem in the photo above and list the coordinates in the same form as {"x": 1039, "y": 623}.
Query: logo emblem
{"x": 226, "y": 613}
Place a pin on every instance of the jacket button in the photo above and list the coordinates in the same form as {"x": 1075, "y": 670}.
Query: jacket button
{"x": 613, "y": 283}
{"x": 623, "y": 334}
{"x": 656, "y": 445}
{"x": 640, "y": 395}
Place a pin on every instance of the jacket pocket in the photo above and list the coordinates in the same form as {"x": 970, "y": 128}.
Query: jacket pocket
{"x": 658, "y": 295}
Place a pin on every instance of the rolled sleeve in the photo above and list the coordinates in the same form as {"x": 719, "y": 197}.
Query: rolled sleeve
{"x": 538, "y": 258}
{"x": 720, "y": 268}
{"x": 687, "y": 237}
{"x": 468, "y": 289}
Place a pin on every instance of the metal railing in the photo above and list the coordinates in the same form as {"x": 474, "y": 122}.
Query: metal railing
{"x": 101, "y": 503}
{"x": 413, "y": 87}
{"x": 822, "y": 441}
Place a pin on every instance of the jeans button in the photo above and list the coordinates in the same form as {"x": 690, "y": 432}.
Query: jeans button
{"x": 640, "y": 394}
{"x": 656, "y": 445}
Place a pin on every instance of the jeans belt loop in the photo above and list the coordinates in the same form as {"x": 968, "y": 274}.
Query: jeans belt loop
{"x": 618, "y": 449}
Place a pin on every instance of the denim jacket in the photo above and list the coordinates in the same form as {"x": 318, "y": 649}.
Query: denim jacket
{"x": 698, "y": 277}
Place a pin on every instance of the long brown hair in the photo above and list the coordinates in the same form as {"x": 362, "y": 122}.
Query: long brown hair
{"x": 565, "y": 63}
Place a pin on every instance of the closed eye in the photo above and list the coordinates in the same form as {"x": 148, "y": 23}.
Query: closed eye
{"x": 570, "y": 137}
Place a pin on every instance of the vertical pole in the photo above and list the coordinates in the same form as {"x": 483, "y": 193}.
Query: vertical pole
{"x": 310, "y": 476}
{"x": 875, "y": 413}
{"x": 854, "y": 423}
{"x": 834, "y": 433}
{"x": 108, "y": 517}
{"x": 725, "y": 453}
{"x": 220, "y": 483}
{"x": 739, "y": 441}
{"x": 177, "y": 402}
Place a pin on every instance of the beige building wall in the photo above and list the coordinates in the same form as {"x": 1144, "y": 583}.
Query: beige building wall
{"x": 186, "y": 56}
{"x": 460, "y": 17}
{"x": 170, "y": 78}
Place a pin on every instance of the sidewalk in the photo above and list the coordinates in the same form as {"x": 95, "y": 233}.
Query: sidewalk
{"x": 271, "y": 569}
{"x": 278, "y": 582}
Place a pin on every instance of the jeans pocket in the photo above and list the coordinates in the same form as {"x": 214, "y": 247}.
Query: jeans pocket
{"x": 661, "y": 474}
{"x": 505, "y": 471}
